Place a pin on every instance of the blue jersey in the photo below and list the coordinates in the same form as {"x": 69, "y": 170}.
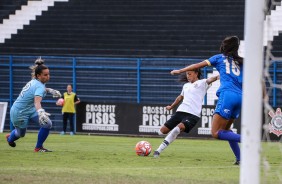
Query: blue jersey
{"x": 25, "y": 101}
{"x": 231, "y": 73}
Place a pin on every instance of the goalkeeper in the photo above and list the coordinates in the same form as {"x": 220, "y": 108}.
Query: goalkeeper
{"x": 27, "y": 108}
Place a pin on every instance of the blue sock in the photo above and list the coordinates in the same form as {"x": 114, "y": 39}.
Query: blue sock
{"x": 228, "y": 135}
{"x": 42, "y": 136}
{"x": 13, "y": 136}
{"x": 235, "y": 148}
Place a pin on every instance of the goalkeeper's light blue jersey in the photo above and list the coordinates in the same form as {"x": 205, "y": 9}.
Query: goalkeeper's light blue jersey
{"x": 25, "y": 100}
{"x": 231, "y": 73}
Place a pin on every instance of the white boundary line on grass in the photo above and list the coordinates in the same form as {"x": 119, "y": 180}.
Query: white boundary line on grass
{"x": 140, "y": 168}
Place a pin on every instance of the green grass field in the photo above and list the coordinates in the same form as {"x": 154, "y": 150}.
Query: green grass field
{"x": 112, "y": 159}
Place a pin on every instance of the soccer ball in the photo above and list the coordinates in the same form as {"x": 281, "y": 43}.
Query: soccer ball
{"x": 60, "y": 102}
{"x": 143, "y": 148}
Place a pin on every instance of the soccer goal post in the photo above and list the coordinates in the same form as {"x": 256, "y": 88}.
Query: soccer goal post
{"x": 3, "y": 110}
{"x": 252, "y": 93}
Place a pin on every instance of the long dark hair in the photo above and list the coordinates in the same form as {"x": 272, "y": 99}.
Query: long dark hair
{"x": 37, "y": 68}
{"x": 183, "y": 77}
{"x": 229, "y": 47}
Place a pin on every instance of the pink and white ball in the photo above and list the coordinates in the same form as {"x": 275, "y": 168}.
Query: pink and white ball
{"x": 60, "y": 102}
{"x": 143, "y": 148}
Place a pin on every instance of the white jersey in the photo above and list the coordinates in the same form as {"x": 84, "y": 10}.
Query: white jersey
{"x": 193, "y": 96}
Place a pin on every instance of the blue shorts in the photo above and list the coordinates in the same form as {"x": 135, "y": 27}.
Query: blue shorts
{"x": 21, "y": 118}
{"x": 229, "y": 105}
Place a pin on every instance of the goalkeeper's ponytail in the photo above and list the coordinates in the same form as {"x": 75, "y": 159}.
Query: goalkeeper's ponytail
{"x": 37, "y": 68}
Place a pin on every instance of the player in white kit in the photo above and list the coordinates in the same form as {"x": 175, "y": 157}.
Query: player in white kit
{"x": 189, "y": 111}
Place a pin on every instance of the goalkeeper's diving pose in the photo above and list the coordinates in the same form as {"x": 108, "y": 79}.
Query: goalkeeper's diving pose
{"x": 27, "y": 108}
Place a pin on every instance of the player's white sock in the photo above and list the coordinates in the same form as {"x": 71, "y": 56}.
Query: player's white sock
{"x": 169, "y": 139}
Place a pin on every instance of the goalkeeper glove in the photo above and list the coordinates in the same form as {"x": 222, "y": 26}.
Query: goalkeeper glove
{"x": 55, "y": 93}
{"x": 43, "y": 116}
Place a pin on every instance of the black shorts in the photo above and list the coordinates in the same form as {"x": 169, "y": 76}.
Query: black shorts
{"x": 189, "y": 121}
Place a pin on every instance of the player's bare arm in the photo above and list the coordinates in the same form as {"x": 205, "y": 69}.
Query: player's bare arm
{"x": 175, "y": 103}
{"x": 212, "y": 79}
{"x": 37, "y": 102}
{"x": 190, "y": 67}
{"x": 77, "y": 102}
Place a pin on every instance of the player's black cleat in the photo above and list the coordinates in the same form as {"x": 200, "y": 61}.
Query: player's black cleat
{"x": 156, "y": 154}
{"x": 41, "y": 150}
{"x": 237, "y": 162}
{"x": 12, "y": 144}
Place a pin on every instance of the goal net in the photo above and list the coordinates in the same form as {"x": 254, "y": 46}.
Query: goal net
{"x": 262, "y": 155}
{"x": 271, "y": 152}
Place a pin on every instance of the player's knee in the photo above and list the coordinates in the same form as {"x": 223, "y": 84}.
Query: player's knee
{"x": 160, "y": 132}
{"x": 163, "y": 130}
{"x": 215, "y": 134}
{"x": 181, "y": 127}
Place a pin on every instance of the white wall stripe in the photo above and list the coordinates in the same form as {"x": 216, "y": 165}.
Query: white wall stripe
{"x": 23, "y": 17}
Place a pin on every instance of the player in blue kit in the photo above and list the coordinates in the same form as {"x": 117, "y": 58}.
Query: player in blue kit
{"x": 230, "y": 67}
{"x": 27, "y": 108}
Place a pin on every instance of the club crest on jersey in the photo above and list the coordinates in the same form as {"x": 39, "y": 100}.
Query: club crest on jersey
{"x": 275, "y": 126}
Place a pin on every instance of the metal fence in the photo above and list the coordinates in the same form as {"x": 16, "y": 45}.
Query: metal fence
{"x": 101, "y": 79}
